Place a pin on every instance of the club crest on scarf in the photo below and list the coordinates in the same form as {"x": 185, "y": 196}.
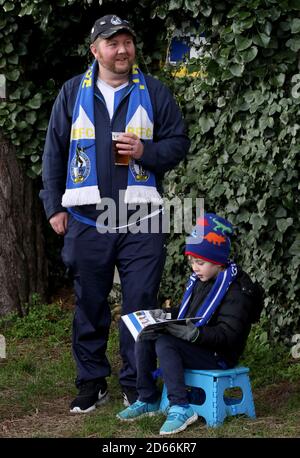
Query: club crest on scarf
{"x": 138, "y": 172}
{"x": 80, "y": 165}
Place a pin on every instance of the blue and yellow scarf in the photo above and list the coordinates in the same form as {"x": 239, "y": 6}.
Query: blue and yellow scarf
{"x": 82, "y": 187}
{"x": 214, "y": 297}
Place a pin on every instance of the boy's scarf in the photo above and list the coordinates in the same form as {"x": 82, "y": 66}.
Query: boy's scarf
{"x": 214, "y": 297}
{"x": 82, "y": 183}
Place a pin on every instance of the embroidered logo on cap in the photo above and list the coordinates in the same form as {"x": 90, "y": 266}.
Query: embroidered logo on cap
{"x": 115, "y": 20}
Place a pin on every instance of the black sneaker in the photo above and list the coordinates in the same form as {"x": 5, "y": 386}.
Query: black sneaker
{"x": 129, "y": 394}
{"x": 91, "y": 394}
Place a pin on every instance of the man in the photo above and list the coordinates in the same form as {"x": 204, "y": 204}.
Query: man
{"x": 112, "y": 96}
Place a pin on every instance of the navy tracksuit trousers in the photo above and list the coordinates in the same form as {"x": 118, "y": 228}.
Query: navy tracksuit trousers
{"x": 92, "y": 258}
{"x": 173, "y": 355}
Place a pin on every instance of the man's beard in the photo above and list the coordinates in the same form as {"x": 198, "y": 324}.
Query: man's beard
{"x": 113, "y": 67}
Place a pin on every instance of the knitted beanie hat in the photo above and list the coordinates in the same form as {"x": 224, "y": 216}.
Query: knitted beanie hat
{"x": 210, "y": 240}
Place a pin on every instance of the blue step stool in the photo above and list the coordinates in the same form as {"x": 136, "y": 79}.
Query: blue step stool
{"x": 216, "y": 406}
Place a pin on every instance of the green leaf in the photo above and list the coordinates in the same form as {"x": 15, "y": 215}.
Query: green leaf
{"x": 283, "y": 223}
{"x": 232, "y": 207}
{"x": 295, "y": 25}
{"x": 261, "y": 40}
{"x": 175, "y": 4}
{"x": 218, "y": 190}
{"x": 8, "y": 6}
{"x": 280, "y": 212}
{"x": 236, "y": 28}
{"x": 236, "y": 126}
{"x": 294, "y": 44}
{"x": 190, "y": 5}
{"x": 258, "y": 222}
{"x": 21, "y": 125}
{"x": 242, "y": 43}
{"x": 237, "y": 158}
{"x": 13, "y": 75}
{"x": 249, "y": 54}
{"x": 35, "y": 102}
{"x": 215, "y": 20}
{"x": 221, "y": 102}
{"x": 8, "y": 48}
{"x": 237, "y": 69}
{"x": 278, "y": 80}
{"x": 227, "y": 35}
{"x": 244, "y": 15}
{"x": 34, "y": 158}
{"x": 15, "y": 95}
{"x": 206, "y": 11}
{"x": 206, "y": 123}
{"x": 268, "y": 28}
{"x": 27, "y": 10}
{"x": 295, "y": 247}
{"x": 3, "y": 22}
{"x": 31, "y": 117}
{"x": 227, "y": 75}
{"x": 13, "y": 59}
{"x": 37, "y": 169}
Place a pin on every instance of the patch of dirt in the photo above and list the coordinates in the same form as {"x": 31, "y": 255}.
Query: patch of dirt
{"x": 276, "y": 396}
{"x": 65, "y": 297}
{"x": 52, "y": 420}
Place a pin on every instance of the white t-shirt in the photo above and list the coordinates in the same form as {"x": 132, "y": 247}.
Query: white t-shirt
{"x": 112, "y": 95}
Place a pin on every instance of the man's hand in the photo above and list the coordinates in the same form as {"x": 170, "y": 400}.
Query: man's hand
{"x": 59, "y": 222}
{"x": 190, "y": 332}
{"x": 131, "y": 145}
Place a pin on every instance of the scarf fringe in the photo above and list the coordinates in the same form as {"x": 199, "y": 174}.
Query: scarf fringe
{"x": 142, "y": 195}
{"x": 81, "y": 196}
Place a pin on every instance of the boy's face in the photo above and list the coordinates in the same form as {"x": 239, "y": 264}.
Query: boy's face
{"x": 204, "y": 270}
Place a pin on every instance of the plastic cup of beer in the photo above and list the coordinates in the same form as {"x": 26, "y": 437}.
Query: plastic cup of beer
{"x": 120, "y": 159}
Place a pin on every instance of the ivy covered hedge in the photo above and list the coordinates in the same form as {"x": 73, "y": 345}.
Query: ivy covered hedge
{"x": 243, "y": 119}
{"x": 36, "y": 55}
{"x": 242, "y": 115}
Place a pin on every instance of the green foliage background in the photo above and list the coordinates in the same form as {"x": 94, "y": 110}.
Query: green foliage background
{"x": 242, "y": 114}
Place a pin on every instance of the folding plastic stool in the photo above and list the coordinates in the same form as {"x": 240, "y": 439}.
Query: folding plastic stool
{"x": 216, "y": 405}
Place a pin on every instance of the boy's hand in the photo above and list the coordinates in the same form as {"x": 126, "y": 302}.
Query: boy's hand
{"x": 190, "y": 332}
{"x": 152, "y": 334}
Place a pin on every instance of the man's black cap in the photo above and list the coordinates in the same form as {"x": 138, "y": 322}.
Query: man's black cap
{"x": 108, "y": 25}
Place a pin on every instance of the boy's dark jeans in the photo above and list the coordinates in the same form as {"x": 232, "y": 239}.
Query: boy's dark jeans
{"x": 174, "y": 355}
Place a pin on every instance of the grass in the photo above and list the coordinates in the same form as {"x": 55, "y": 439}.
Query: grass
{"x": 37, "y": 384}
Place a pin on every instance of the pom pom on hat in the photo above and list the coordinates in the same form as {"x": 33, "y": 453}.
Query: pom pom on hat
{"x": 210, "y": 239}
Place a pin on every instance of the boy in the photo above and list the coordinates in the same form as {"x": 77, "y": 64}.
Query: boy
{"x": 226, "y": 302}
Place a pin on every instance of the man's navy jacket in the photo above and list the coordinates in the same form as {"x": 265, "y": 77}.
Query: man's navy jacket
{"x": 170, "y": 143}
